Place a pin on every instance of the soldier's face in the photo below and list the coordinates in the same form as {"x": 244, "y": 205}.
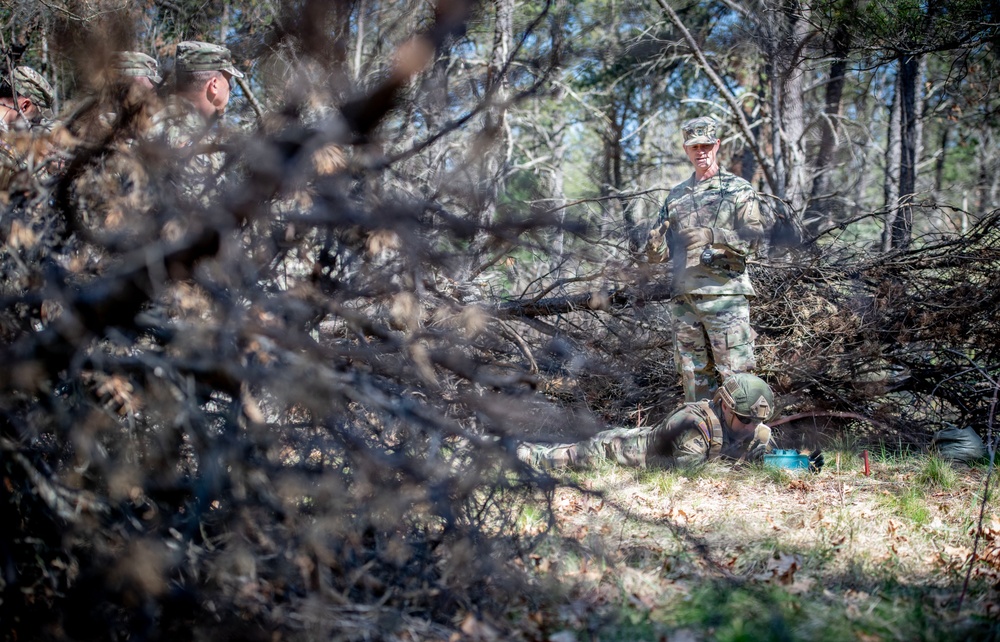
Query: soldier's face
{"x": 143, "y": 83}
{"x": 702, "y": 156}
{"x": 742, "y": 427}
{"x": 219, "y": 92}
{"x": 8, "y": 110}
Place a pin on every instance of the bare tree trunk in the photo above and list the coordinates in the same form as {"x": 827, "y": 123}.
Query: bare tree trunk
{"x": 498, "y": 156}
{"x": 359, "y": 40}
{"x": 892, "y": 152}
{"x": 909, "y": 135}
{"x": 987, "y": 186}
{"x": 793, "y": 112}
{"x": 611, "y": 179}
{"x": 748, "y": 163}
{"x": 920, "y": 99}
{"x": 861, "y": 170}
{"x": 778, "y": 157}
{"x": 942, "y": 157}
{"x": 557, "y": 185}
{"x": 45, "y": 64}
{"x": 831, "y": 117}
{"x": 224, "y": 22}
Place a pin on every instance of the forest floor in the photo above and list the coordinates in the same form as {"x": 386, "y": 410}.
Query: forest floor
{"x": 759, "y": 554}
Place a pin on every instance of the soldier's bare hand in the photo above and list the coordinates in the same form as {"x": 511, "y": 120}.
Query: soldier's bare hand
{"x": 696, "y": 236}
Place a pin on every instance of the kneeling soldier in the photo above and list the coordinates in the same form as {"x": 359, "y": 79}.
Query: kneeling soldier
{"x": 730, "y": 426}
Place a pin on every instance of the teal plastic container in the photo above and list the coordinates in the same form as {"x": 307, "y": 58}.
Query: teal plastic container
{"x": 787, "y": 459}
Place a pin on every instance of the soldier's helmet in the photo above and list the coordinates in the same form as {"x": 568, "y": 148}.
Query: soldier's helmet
{"x": 748, "y": 395}
{"x": 30, "y": 83}
{"x": 194, "y": 55}
{"x": 136, "y": 64}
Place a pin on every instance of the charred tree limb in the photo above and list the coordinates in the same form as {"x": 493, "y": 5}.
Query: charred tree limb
{"x": 612, "y": 300}
{"x": 113, "y": 301}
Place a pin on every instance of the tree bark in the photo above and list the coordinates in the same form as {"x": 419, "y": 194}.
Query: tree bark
{"x": 793, "y": 112}
{"x": 909, "y": 135}
{"x": 831, "y": 116}
{"x": 777, "y": 153}
{"x": 498, "y": 158}
{"x": 892, "y": 158}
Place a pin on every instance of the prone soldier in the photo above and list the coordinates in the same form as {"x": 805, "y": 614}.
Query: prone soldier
{"x": 729, "y": 426}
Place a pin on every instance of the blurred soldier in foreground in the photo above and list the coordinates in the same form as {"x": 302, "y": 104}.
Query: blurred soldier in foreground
{"x": 137, "y": 68}
{"x": 111, "y": 190}
{"x": 708, "y": 226}
{"x": 188, "y": 122}
{"x": 25, "y": 100}
{"x": 133, "y": 94}
{"x": 729, "y": 426}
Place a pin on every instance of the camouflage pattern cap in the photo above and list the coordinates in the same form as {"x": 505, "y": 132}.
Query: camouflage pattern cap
{"x": 193, "y": 55}
{"x": 30, "y": 83}
{"x": 700, "y": 131}
{"x": 136, "y": 65}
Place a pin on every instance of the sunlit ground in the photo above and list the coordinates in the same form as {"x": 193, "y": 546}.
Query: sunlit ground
{"x": 757, "y": 554}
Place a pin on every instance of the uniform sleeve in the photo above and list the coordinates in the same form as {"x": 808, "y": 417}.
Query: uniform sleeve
{"x": 748, "y": 224}
{"x": 690, "y": 448}
{"x": 679, "y": 441}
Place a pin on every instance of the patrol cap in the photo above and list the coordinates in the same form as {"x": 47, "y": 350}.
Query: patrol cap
{"x": 748, "y": 395}
{"x": 136, "y": 64}
{"x": 193, "y": 55}
{"x": 31, "y": 84}
{"x": 700, "y": 131}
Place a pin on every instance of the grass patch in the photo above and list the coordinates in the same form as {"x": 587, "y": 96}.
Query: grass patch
{"x": 751, "y": 612}
{"x": 770, "y": 474}
{"x": 937, "y": 472}
{"x": 532, "y": 519}
{"x": 808, "y": 557}
{"x": 888, "y": 453}
{"x": 844, "y": 454}
{"x": 910, "y": 504}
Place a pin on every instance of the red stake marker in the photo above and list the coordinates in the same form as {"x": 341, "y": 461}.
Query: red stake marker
{"x": 867, "y": 469}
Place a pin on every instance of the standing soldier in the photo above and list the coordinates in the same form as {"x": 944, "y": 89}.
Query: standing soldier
{"x": 26, "y": 148}
{"x": 110, "y": 189}
{"x": 132, "y": 94}
{"x": 26, "y": 100}
{"x": 708, "y": 227}
{"x": 137, "y": 68}
{"x": 189, "y": 121}
{"x": 729, "y": 426}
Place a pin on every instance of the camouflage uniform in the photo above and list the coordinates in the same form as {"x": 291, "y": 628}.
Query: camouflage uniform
{"x": 22, "y": 161}
{"x": 709, "y": 312}
{"x": 694, "y": 434}
{"x": 136, "y": 99}
{"x": 198, "y": 168}
{"x": 31, "y": 84}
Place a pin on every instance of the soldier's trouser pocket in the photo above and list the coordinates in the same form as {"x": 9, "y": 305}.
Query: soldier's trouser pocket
{"x": 739, "y": 356}
{"x": 740, "y": 335}
{"x": 731, "y": 336}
